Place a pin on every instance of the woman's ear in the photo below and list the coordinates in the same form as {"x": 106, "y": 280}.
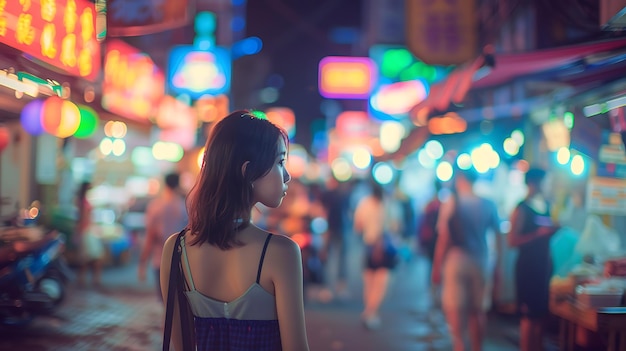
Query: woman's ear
{"x": 244, "y": 166}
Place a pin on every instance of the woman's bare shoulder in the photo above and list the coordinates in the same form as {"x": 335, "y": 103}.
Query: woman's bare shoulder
{"x": 169, "y": 243}
{"x": 284, "y": 243}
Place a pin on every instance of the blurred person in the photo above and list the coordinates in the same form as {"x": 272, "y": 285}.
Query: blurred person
{"x": 336, "y": 201}
{"x": 531, "y": 230}
{"x": 461, "y": 261}
{"x": 371, "y": 220}
{"x": 427, "y": 233}
{"x": 90, "y": 246}
{"x": 242, "y": 283}
{"x": 165, "y": 215}
{"x": 427, "y": 239}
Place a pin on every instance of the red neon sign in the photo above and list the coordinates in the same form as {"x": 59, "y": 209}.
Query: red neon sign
{"x": 133, "y": 85}
{"x": 60, "y": 33}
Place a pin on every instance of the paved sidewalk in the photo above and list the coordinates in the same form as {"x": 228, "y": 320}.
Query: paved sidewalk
{"x": 129, "y": 316}
{"x": 126, "y": 315}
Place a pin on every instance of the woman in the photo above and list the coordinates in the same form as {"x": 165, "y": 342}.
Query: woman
{"x": 244, "y": 285}
{"x": 371, "y": 219}
{"x": 531, "y": 229}
{"x": 91, "y": 248}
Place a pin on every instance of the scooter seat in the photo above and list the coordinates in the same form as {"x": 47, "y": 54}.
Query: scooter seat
{"x": 13, "y": 250}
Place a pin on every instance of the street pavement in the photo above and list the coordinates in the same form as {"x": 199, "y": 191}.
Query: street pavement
{"x": 126, "y": 315}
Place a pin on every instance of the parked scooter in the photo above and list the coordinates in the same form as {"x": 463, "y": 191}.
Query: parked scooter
{"x": 33, "y": 274}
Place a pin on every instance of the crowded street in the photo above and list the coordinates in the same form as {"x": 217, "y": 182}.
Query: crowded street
{"x": 289, "y": 175}
{"x": 125, "y": 315}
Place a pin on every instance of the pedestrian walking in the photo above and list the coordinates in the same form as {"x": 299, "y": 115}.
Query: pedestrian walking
{"x": 531, "y": 230}
{"x": 461, "y": 261}
{"x": 242, "y": 284}
{"x": 427, "y": 239}
{"x": 165, "y": 214}
{"x": 373, "y": 221}
{"x": 336, "y": 201}
{"x": 90, "y": 246}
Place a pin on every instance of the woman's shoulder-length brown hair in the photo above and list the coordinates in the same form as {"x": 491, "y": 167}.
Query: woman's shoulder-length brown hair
{"x": 221, "y": 198}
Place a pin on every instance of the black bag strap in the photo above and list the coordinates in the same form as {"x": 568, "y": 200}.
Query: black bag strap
{"x": 175, "y": 290}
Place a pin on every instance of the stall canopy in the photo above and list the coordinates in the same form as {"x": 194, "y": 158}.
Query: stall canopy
{"x": 491, "y": 70}
{"x": 504, "y": 68}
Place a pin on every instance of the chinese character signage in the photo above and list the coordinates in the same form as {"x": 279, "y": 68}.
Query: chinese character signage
{"x": 442, "y": 32}
{"x": 58, "y": 32}
{"x": 133, "y": 85}
{"x": 198, "y": 72}
{"x": 141, "y": 17}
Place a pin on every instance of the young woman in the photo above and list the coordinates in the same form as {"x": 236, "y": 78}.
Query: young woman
{"x": 244, "y": 284}
{"x": 91, "y": 249}
{"x": 531, "y": 229}
{"x": 371, "y": 219}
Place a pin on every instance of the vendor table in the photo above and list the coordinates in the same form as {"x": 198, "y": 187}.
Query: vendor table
{"x": 609, "y": 321}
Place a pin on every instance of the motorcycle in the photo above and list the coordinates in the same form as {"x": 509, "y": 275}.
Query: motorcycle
{"x": 33, "y": 274}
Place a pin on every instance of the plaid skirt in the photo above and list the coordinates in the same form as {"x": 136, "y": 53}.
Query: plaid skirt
{"x": 222, "y": 334}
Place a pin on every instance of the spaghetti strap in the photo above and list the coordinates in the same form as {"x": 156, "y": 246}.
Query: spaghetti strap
{"x": 267, "y": 241}
{"x": 186, "y": 261}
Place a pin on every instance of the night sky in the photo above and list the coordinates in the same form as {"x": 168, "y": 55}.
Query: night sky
{"x": 296, "y": 36}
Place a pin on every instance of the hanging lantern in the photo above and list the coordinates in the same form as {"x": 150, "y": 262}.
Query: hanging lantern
{"x": 70, "y": 120}
{"x": 88, "y": 122}
{"x": 31, "y": 117}
{"x": 5, "y": 137}
{"x": 51, "y": 114}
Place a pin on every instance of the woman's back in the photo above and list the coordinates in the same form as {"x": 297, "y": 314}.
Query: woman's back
{"x": 224, "y": 275}
{"x": 233, "y": 293}
{"x": 232, "y": 309}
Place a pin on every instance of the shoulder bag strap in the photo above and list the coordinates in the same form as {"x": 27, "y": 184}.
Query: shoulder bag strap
{"x": 184, "y": 311}
{"x": 171, "y": 292}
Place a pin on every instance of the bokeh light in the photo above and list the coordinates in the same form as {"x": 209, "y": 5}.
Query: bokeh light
{"x": 341, "y": 169}
{"x": 424, "y": 159}
{"x": 464, "y": 161}
{"x": 434, "y": 149}
{"x": 563, "y": 155}
{"x": 578, "y": 165}
{"x": 511, "y": 147}
{"x": 391, "y": 135}
{"x": 518, "y": 136}
{"x": 444, "y": 171}
{"x": 382, "y": 173}
{"x": 361, "y": 158}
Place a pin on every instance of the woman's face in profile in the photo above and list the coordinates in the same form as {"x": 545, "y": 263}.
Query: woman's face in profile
{"x": 272, "y": 187}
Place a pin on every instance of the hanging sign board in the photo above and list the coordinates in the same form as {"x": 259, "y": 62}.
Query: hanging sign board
{"x": 442, "y": 32}
{"x": 58, "y": 32}
{"x": 133, "y": 18}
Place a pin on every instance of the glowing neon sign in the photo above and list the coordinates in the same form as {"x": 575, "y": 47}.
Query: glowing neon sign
{"x": 60, "y": 33}
{"x": 346, "y": 77}
{"x": 133, "y": 85}
{"x": 198, "y": 72}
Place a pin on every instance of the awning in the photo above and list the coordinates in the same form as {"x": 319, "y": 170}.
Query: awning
{"x": 478, "y": 75}
{"x": 511, "y": 66}
{"x": 508, "y": 67}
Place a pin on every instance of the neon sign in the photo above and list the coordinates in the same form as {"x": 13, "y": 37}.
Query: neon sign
{"x": 60, "y": 33}
{"x": 397, "y": 99}
{"x": 346, "y": 77}
{"x": 198, "y": 72}
{"x": 133, "y": 85}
